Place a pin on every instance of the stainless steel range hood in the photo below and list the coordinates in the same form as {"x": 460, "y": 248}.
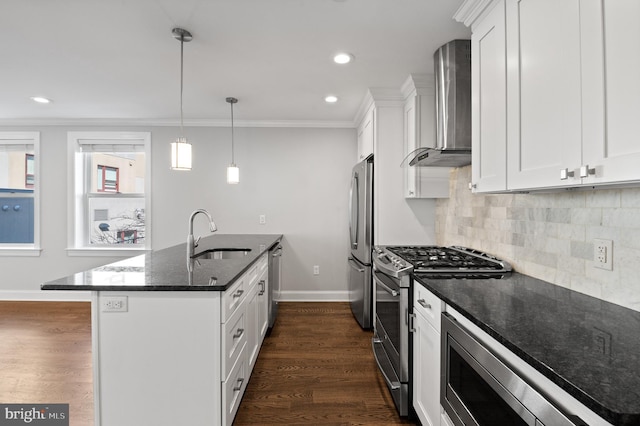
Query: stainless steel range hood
{"x": 453, "y": 108}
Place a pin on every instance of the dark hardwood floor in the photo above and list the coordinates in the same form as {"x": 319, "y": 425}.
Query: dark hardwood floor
{"x": 315, "y": 368}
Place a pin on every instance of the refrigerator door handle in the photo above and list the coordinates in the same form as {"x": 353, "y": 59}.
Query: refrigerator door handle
{"x": 354, "y": 198}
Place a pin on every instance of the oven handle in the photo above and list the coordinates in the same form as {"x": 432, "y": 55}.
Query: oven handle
{"x": 392, "y": 385}
{"x": 389, "y": 290}
{"x": 382, "y": 267}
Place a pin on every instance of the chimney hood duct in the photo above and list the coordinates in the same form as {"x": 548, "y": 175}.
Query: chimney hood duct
{"x": 453, "y": 108}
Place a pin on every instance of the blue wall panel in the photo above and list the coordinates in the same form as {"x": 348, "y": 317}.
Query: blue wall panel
{"x": 16, "y": 220}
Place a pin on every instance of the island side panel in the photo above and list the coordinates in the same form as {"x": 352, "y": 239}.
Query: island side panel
{"x": 159, "y": 362}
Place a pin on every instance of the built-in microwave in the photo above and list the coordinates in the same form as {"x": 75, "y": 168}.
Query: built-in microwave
{"x": 479, "y": 389}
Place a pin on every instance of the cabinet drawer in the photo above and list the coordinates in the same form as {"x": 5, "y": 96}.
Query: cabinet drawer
{"x": 233, "y": 298}
{"x": 427, "y": 304}
{"x": 233, "y": 389}
{"x": 234, "y": 335}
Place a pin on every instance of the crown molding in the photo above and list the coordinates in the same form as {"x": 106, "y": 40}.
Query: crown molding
{"x": 471, "y": 10}
{"x": 422, "y": 84}
{"x": 151, "y": 122}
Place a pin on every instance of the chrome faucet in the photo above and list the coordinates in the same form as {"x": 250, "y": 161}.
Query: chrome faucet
{"x": 191, "y": 242}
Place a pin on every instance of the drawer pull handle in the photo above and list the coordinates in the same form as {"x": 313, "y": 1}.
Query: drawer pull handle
{"x": 239, "y": 387}
{"x": 262, "y": 287}
{"x": 238, "y": 293}
{"x": 239, "y": 333}
{"x": 424, "y": 303}
{"x": 566, "y": 174}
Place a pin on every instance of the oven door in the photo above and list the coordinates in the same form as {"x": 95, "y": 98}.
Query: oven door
{"x": 390, "y": 348}
{"x": 478, "y": 389}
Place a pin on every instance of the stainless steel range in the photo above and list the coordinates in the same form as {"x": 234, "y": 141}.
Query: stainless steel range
{"x": 393, "y": 269}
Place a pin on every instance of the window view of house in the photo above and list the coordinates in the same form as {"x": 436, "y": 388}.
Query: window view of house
{"x": 116, "y": 199}
{"x": 17, "y": 179}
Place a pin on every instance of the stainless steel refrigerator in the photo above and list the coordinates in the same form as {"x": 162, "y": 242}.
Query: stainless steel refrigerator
{"x": 361, "y": 241}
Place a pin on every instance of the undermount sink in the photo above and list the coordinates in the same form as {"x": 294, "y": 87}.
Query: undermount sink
{"x": 223, "y": 253}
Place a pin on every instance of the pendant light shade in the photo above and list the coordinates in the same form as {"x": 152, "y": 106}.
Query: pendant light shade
{"x": 180, "y": 148}
{"x": 181, "y": 154}
{"x": 233, "y": 172}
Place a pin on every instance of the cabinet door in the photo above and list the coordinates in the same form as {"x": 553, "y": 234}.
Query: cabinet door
{"x": 611, "y": 74}
{"x": 365, "y": 136}
{"x": 544, "y": 92}
{"x": 489, "y": 102}
{"x": 253, "y": 333}
{"x": 426, "y": 372}
{"x": 263, "y": 308}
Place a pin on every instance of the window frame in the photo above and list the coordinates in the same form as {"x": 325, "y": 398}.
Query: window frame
{"x": 26, "y": 249}
{"x": 26, "y": 170}
{"x": 78, "y": 200}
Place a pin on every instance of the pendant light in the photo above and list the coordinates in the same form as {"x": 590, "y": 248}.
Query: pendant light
{"x": 233, "y": 172}
{"x": 180, "y": 148}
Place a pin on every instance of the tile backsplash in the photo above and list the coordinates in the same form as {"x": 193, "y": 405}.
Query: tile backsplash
{"x": 550, "y": 235}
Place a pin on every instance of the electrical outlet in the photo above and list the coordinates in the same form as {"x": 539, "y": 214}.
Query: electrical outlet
{"x": 316, "y": 269}
{"x": 262, "y": 219}
{"x": 603, "y": 254}
{"x": 115, "y": 304}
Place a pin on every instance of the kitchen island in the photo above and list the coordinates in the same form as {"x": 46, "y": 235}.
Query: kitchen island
{"x": 587, "y": 347}
{"x": 175, "y": 339}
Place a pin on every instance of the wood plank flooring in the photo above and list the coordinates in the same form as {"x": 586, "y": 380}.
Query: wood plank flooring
{"x": 45, "y": 356}
{"x": 316, "y": 367}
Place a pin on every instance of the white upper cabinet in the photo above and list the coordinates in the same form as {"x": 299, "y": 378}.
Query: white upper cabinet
{"x": 366, "y": 135}
{"x": 572, "y": 93}
{"x": 544, "y": 92}
{"x": 419, "y": 132}
{"x": 611, "y": 90}
{"x": 489, "y": 97}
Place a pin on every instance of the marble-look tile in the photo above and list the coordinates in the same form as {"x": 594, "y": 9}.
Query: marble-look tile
{"x": 584, "y": 216}
{"x": 606, "y": 198}
{"x": 582, "y": 250}
{"x": 621, "y": 218}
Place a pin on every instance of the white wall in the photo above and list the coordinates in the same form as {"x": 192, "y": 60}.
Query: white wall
{"x": 297, "y": 177}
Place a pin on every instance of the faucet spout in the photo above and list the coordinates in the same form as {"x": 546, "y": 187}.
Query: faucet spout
{"x": 192, "y": 242}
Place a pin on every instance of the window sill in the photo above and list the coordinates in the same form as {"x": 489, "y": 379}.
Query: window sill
{"x": 106, "y": 252}
{"x": 23, "y": 252}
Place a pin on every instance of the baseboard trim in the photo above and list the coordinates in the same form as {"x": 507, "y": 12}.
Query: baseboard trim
{"x": 314, "y": 296}
{"x": 44, "y": 295}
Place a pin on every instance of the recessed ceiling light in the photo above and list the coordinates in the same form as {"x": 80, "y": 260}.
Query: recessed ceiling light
{"x": 40, "y": 100}
{"x": 331, "y": 99}
{"x": 343, "y": 58}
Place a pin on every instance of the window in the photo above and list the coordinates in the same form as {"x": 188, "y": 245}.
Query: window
{"x": 110, "y": 192}
{"x": 107, "y": 180}
{"x": 19, "y": 194}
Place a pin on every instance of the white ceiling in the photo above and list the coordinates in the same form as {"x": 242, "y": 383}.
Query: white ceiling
{"x": 117, "y": 59}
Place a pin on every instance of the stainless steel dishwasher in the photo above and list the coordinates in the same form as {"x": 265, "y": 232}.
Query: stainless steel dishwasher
{"x": 275, "y": 274}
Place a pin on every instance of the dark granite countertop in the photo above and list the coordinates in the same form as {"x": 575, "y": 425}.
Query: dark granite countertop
{"x": 169, "y": 270}
{"x": 588, "y": 347}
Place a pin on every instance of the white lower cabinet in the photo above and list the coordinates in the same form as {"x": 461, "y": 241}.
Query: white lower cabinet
{"x": 426, "y": 356}
{"x": 233, "y": 388}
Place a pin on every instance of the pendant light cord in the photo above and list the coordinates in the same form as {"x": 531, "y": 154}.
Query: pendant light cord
{"x": 181, "y": 83}
{"x": 232, "y": 142}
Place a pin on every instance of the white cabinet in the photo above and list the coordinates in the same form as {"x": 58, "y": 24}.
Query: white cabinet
{"x": 572, "y": 93}
{"x": 426, "y": 356}
{"x": 366, "y": 135}
{"x": 257, "y": 310}
{"x": 611, "y": 89}
{"x": 419, "y": 132}
{"x": 544, "y": 92}
{"x": 489, "y": 98}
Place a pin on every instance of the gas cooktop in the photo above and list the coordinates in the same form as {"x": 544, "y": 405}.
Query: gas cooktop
{"x": 454, "y": 260}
